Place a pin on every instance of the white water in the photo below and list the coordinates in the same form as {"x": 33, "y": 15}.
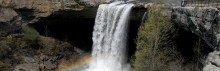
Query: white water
{"x": 110, "y": 38}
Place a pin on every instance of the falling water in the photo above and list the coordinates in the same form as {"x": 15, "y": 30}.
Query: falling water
{"x": 110, "y": 38}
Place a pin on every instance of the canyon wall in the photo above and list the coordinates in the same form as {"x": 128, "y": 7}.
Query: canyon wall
{"x": 18, "y": 42}
{"x": 14, "y": 13}
{"x": 205, "y": 23}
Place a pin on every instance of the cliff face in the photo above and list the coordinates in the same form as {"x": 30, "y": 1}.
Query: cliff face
{"x": 205, "y": 23}
{"x": 15, "y": 13}
{"x": 68, "y": 20}
{"x": 41, "y": 8}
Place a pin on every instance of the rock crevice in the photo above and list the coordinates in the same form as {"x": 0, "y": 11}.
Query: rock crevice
{"x": 205, "y": 23}
{"x": 15, "y": 13}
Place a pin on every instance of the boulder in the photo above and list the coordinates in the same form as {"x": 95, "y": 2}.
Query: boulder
{"x": 211, "y": 67}
{"x": 213, "y": 62}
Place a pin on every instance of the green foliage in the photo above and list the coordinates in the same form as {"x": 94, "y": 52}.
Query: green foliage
{"x": 160, "y": 45}
{"x": 54, "y": 45}
{"x": 152, "y": 39}
{"x": 30, "y": 33}
{"x": 8, "y": 40}
{"x": 30, "y": 36}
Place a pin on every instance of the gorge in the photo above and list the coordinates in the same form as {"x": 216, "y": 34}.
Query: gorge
{"x": 79, "y": 35}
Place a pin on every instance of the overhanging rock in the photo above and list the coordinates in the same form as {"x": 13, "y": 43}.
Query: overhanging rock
{"x": 16, "y": 13}
{"x": 202, "y": 21}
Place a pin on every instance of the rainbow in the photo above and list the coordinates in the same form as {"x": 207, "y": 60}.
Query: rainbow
{"x": 79, "y": 65}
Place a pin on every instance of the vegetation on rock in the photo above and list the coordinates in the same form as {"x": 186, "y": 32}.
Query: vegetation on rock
{"x": 164, "y": 46}
{"x": 153, "y": 35}
{"x": 28, "y": 48}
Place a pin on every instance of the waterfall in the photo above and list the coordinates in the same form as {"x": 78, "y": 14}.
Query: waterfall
{"x": 110, "y": 38}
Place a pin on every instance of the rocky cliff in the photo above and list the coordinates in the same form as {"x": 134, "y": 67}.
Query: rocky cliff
{"x": 15, "y": 13}
{"x": 205, "y": 23}
{"x": 16, "y": 53}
